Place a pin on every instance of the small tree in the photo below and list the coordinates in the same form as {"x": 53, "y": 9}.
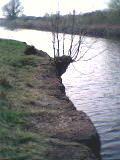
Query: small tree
{"x": 74, "y": 46}
{"x": 12, "y": 9}
{"x": 114, "y": 4}
{"x": 63, "y": 58}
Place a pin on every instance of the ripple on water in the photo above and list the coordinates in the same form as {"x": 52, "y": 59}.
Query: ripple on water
{"x": 98, "y": 94}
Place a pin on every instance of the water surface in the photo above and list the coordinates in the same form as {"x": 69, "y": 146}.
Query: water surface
{"x": 92, "y": 84}
{"x": 94, "y": 87}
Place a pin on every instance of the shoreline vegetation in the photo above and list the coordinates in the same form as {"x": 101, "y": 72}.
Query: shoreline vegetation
{"x": 104, "y": 24}
{"x": 37, "y": 120}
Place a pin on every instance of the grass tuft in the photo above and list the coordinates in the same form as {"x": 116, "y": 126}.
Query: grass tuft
{"x": 5, "y": 83}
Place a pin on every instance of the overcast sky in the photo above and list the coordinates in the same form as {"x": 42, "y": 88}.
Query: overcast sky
{"x": 40, "y": 7}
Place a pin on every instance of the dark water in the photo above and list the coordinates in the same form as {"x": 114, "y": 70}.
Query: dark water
{"x": 96, "y": 91}
{"x": 93, "y": 85}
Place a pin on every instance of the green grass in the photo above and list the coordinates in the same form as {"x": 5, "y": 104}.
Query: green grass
{"x": 20, "y": 114}
{"x": 16, "y": 77}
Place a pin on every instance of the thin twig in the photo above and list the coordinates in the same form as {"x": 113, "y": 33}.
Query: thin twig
{"x": 95, "y": 55}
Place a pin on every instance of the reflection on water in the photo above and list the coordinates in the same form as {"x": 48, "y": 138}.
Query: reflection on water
{"x": 97, "y": 92}
{"x": 93, "y": 86}
{"x": 41, "y": 40}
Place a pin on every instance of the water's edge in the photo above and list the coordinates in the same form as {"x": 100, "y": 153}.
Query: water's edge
{"x": 68, "y": 125}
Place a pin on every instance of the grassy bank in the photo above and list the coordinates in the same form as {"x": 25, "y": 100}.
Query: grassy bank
{"x": 37, "y": 120}
{"x": 16, "y": 104}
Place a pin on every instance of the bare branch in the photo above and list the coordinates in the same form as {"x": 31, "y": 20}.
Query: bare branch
{"x": 88, "y": 48}
{"x": 53, "y": 34}
{"x": 63, "y": 44}
{"x": 95, "y": 55}
{"x": 72, "y": 33}
{"x": 78, "y": 48}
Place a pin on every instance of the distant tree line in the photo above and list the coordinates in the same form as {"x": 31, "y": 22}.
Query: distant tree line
{"x": 97, "y": 23}
{"x": 12, "y": 9}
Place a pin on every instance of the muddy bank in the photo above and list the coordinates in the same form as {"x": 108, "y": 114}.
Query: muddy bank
{"x": 69, "y": 133}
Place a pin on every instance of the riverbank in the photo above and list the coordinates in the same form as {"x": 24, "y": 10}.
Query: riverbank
{"x": 37, "y": 120}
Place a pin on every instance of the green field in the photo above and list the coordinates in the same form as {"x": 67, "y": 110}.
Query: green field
{"x": 17, "y": 142}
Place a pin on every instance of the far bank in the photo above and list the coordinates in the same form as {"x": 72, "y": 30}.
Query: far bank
{"x": 109, "y": 31}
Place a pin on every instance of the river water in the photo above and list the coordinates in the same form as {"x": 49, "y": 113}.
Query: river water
{"x": 93, "y": 84}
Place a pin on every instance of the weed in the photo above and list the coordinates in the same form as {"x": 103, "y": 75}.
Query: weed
{"x": 5, "y": 83}
{"x": 3, "y": 95}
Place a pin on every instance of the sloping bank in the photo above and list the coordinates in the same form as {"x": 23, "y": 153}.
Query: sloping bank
{"x": 37, "y": 120}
